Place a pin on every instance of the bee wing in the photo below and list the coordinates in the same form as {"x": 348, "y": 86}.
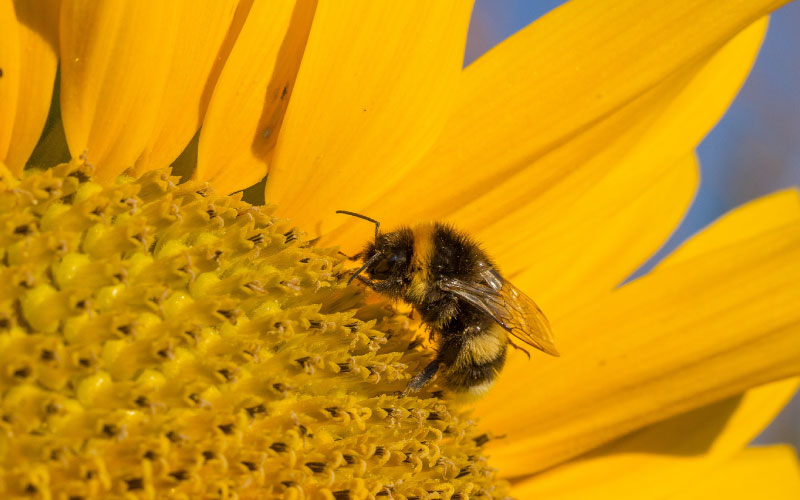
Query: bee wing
{"x": 508, "y": 306}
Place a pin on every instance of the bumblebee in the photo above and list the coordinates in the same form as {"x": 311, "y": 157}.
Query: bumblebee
{"x": 459, "y": 294}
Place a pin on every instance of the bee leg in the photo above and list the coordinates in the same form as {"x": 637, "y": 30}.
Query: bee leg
{"x": 350, "y": 257}
{"x": 515, "y": 346}
{"x": 367, "y": 282}
{"x": 422, "y": 378}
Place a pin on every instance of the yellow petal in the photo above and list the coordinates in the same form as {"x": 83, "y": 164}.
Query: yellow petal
{"x": 577, "y": 247}
{"x": 590, "y": 231}
{"x": 250, "y": 98}
{"x": 684, "y": 336}
{"x": 558, "y": 77}
{"x": 115, "y": 61}
{"x": 566, "y": 250}
{"x": 630, "y": 467}
{"x": 195, "y": 65}
{"x": 555, "y": 80}
{"x": 26, "y": 85}
{"x": 759, "y": 216}
{"x": 548, "y": 218}
{"x": 683, "y": 448}
{"x": 769, "y": 472}
{"x": 11, "y": 66}
{"x": 375, "y": 87}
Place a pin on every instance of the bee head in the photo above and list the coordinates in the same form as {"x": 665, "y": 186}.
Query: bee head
{"x": 389, "y": 256}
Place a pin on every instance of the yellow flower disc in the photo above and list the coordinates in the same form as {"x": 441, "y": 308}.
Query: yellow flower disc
{"x": 158, "y": 340}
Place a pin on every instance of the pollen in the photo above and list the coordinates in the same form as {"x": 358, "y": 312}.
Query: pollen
{"x": 159, "y": 340}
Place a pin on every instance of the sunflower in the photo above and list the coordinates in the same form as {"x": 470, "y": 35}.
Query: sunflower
{"x": 164, "y": 334}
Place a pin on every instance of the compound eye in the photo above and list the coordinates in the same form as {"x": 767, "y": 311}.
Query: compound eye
{"x": 380, "y": 270}
{"x": 396, "y": 258}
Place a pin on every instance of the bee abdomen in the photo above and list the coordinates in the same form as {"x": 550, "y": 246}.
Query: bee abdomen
{"x": 478, "y": 362}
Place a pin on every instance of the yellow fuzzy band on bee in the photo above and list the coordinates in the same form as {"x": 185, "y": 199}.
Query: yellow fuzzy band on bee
{"x": 423, "y": 241}
{"x": 485, "y": 348}
{"x": 416, "y": 289}
{"x": 423, "y": 250}
{"x": 476, "y": 391}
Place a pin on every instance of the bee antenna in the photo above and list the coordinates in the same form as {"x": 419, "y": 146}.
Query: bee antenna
{"x": 377, "y": 224}
{"x": 368, "y": 263}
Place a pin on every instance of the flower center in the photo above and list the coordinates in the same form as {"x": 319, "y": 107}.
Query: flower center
{"x": 156, "y": 337}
